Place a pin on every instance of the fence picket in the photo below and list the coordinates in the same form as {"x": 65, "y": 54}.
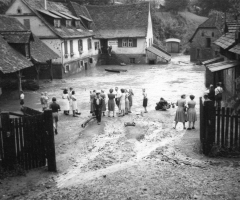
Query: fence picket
{"x": 22, "y": 152}
{"x": 223, "y": 127}
{"x": 227, "y": 128}
{"x": 231, "y": 130}
{"x": 218, "y": 125}
{"x": 16, "y": 131}
{"x": 236, "y": 138}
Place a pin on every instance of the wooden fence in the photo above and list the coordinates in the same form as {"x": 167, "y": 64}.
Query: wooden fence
{"x": 27, "y": 140}
{"x": 218, "y": 126}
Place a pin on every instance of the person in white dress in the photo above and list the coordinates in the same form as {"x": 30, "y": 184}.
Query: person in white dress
{"x": 122, "y": 103}
{"x": 65, "y": 98}
{"x": 74, "y": 105}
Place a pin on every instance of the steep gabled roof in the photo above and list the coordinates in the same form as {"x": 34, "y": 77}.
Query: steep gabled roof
{"x": 11, "y": 60}
{"x": 40, "y": 52}
{"x": 10, "y": 24}
{"x": 117, "y": 21}
{"x": 63, "y": 31}
{"x": 226, "y": 40}
{"x": 215, "y": 21}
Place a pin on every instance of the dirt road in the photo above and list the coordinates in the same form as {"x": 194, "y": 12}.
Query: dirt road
{"x": 148, "y": 161}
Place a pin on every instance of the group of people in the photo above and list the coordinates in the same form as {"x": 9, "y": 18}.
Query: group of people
{"x": 186, "y": 112}
{"x": 215, "y": 94}
{"x": 70, "y": 102}
{"x": 122, "y": 98}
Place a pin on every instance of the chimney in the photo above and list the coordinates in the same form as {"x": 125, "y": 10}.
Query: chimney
{"x": 45, "y": 4}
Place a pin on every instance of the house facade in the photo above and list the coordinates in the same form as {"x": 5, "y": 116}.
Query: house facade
{"x": 202, "y": 45}
{"x": 56, "y": 24}
{"x": 125, "y": 31}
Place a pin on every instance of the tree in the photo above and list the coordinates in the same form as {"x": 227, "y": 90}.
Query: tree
{"x": 173, "y": 5}
{"x": 93, "y": 2}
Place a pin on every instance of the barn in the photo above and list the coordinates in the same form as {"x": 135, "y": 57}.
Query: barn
{"x": 173, "y": 45}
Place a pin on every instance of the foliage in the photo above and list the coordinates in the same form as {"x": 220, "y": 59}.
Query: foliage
{"x": 93, "y": 2}
{"x": 175, "y": 6}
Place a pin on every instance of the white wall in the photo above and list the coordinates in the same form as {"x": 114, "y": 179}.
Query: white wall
{"x": 12, "y": 10}
{"x": 140, "y": 49}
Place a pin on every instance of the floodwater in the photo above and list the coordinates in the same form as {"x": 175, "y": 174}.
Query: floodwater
{"x": 168, "y": 81}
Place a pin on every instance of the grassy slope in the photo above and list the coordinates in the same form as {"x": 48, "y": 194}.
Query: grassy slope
{"x": 186, "y": 21}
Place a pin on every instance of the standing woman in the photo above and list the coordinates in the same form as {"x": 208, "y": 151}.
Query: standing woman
{"x": 180, "y": 113}
{"x": 65, "y": 98}
{"x": 104, "y": 102}
{"x": 126, "y": 103}
{"x": 145, "y": 100}
{"x": 122, "y": 102}
{"x": 191, "y": 113}
{"x": 74, "y": 104}
{"x": 22, "y": 100}
{"x": 111, "y": 102}
{"x": 46, "y": 101}
{"x": 70, "y": 97}
{"x": 130, "y": 100}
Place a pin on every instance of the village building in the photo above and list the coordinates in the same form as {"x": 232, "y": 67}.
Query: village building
{"x": 125, "y": 31}
{"x": 29, "y": 48}
{"x": 56, "y": 24}
{"x": 202, "y": 42}
{"x": 173, "y": 45}
{"x": 226, "y": 68}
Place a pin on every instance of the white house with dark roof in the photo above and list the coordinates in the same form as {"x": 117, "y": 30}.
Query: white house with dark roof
{"x": 56, "y": 24}
{"x": 126, "y": 29}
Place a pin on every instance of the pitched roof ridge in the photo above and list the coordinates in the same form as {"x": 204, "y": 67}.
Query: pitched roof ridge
{"x": 116, "y": 5}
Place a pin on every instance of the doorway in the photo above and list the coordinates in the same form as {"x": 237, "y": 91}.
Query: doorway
{"x": 86, "y": 65}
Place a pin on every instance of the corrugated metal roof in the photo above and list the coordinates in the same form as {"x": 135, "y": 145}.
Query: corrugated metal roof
{"x": 223, "y": 65}
{"x": 10, "y": 59}
{"x": 235, "y": 49}
{"x": 59, "y": 14}
{"x": 226, "y": 40}
{"x": 214, "y": 60}
{"x": 49, "y": 14}
{"x": 71, "y": 16}
{"x": 159, "y": 53}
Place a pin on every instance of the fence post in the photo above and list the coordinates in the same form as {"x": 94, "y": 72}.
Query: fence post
{"x": 209, "y": 131}
{"x": 51, "y": 157}
{"x": 9, "y": 159}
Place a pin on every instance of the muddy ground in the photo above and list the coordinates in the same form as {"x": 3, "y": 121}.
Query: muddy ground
{"x": 111, "y": 161}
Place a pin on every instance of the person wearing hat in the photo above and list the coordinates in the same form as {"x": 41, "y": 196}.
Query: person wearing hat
{"x": 97, "y": 105}
{"x": 55, "y": 108}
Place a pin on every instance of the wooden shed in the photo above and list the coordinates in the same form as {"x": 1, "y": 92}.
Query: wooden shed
{"x": 173, "y": 45}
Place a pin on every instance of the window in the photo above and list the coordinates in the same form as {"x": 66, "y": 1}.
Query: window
{"x": 198, "y": 53}
{"x": 77, "y": 24}
{"x": 125, "y": 43}
{"x": 19, "y": 11}
{"x": 208, "y": 42}
{"x": 96, "y": 44}
{"x": 68, "y": 23}
{"x": 203, "y": 34}
{"x": 27, "y": 51}
{"x": 67, "y": 68}
{"x": 80, "y": 46}
{"x": 90, "y": 60}
{"x": 130, "y": 42}
{"x": 26, "y": 23}
{"x": 57, "y": 23}
{"x": 132, "y": 60}
{"x": 71, "y": 48}
{"x": 212, "y": 34}
{"x": 65, "y": 47}
{"x": 89, "y": 44}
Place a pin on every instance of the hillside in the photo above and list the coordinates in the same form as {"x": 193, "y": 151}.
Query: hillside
{"x": 181, "y": 26}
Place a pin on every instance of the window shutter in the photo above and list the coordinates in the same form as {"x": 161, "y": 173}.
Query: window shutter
{"x": 134, "y": 42}
{"x": 26, "y": 23}
{"x": 119, "y": 42}
{"x": 65, "y": 47}
{"x": 71, "y": 46}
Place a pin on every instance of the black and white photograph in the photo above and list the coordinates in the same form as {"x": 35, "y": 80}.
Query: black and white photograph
{"x": 119, "y": 99}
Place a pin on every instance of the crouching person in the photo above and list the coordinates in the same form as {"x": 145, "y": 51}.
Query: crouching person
{"x": 97, "y": 106}
{"x": 55, "y": 108}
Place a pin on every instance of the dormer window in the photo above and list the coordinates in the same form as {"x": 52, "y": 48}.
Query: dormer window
{"x": 57, "y": 23}
{"x": 77, "y": 23}
{"x": 19, "y": 11}
{"x": 68, "y": 23}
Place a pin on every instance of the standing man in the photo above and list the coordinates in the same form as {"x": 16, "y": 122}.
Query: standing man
{"x": 117, "y": 98}
{"x": 55, "y": 108}
{"x": 22, "y": 100}
{"x": 97, "y": 105}
{"x": 218, "y": 94}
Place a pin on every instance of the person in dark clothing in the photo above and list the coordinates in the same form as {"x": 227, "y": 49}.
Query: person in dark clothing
{"x": 211, "y": 93}
{"x": 162, "y": 104}
{"x": 97, "y": 106}
{"x": 55, "y": 108}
